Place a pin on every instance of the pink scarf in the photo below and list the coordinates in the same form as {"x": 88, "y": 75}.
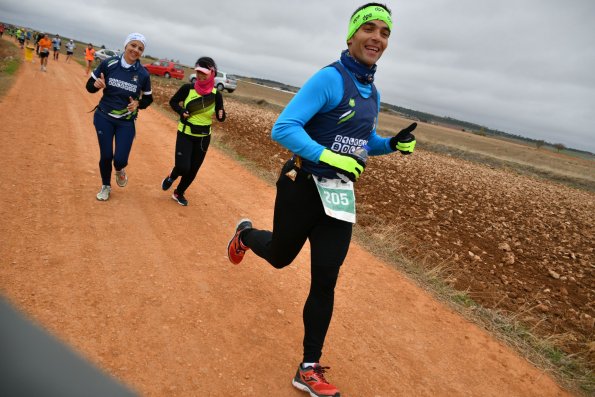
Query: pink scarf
{"x": 205, "y": 87}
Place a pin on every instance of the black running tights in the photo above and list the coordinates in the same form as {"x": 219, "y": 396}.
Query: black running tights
{"x": 190, "y": 153}
{"x": 299, "y": 215}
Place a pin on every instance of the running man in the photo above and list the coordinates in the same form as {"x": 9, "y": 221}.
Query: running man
{"x": 331, "y": 116}
{"x": 126, "y": 89}
{"x": 21, "y": 38}
{"x": 70, "y": 46}
{"x": 44, "y": 52}
{"x": 38, "y": 36}
{"x": 56, "y": 43}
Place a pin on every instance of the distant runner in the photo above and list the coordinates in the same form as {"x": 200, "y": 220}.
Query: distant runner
{"x": 56, "y": 43}
{"x": 38, "y": 36}
{"x": 70, "y": 46}
{"x": 333, "y": 114}
{"x": 44, "y": 51}
{"x": 21, "y": 38}
{"x": 126, "y": 89}
{"x": 89, "y": 57}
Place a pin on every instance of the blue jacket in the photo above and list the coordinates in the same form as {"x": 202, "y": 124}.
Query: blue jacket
{"x": 327, "y": 92}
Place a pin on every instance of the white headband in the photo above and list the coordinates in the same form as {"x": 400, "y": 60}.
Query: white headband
{"x": 137, "y": 37}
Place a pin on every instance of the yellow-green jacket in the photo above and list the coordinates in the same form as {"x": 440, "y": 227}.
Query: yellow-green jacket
{"x": 200, "y": 109}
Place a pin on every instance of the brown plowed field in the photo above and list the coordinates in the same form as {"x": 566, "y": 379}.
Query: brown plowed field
{"x": 142, "y": 287}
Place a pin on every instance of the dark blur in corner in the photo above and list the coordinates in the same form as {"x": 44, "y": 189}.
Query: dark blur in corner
{"x": 34, "y": 363}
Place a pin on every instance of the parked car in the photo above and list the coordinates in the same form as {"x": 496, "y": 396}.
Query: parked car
{"x": 102, "y": 54}
{"x": 222, "y": 81}
{"x": 166, "y": 69}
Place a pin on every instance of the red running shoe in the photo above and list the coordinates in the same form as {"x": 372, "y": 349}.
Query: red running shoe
{"x": 236, "y": 249}
{"x": 311, "y": 380}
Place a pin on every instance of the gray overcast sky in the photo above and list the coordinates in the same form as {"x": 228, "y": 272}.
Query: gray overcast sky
{"x": 522, "y": 66}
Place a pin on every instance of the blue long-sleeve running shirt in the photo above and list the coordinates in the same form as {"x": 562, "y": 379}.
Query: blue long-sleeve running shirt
{"x": 320, "y": 94}
{"x": 122, "y": 83}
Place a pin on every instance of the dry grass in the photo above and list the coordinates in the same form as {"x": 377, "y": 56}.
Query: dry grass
{"x": 507, "y": 151}
{"x": 10, "y": 60}
{"x": 578, "y": 176}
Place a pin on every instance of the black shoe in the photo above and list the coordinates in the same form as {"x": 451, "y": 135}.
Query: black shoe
{"x": 167, "y": 182}
{"x": 179, "y": 198}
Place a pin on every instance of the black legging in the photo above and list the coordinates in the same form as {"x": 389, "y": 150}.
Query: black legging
{"x": 190, "y": 153}
{"x": 299, "y": 215}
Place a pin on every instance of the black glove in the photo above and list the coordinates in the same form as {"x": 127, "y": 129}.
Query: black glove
{"x": 404, "y": 141}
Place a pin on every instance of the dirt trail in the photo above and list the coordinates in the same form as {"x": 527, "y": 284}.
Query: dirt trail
{"x": 142, "y": 287}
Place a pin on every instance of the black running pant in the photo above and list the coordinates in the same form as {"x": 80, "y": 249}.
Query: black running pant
{"x": 299, "y": 215}
{"x": 190, "y": 153}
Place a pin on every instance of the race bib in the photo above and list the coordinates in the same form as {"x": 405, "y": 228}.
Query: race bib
{"x": 338, "y": 198}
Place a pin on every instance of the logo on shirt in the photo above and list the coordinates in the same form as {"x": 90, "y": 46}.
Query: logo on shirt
{"x": 345, "y": 144}
{"x": 122, "y": 84}
{"x": 346, "y": 116}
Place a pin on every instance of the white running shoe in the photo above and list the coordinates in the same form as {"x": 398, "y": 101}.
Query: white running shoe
{"x": 121, "y": 178}
{"x": 103, "y": 194}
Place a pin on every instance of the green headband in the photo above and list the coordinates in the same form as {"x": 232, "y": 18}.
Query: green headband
{"x": 364, "y": 15}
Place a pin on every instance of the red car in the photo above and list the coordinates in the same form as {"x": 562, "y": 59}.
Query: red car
{"x": 166, "y": 69}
